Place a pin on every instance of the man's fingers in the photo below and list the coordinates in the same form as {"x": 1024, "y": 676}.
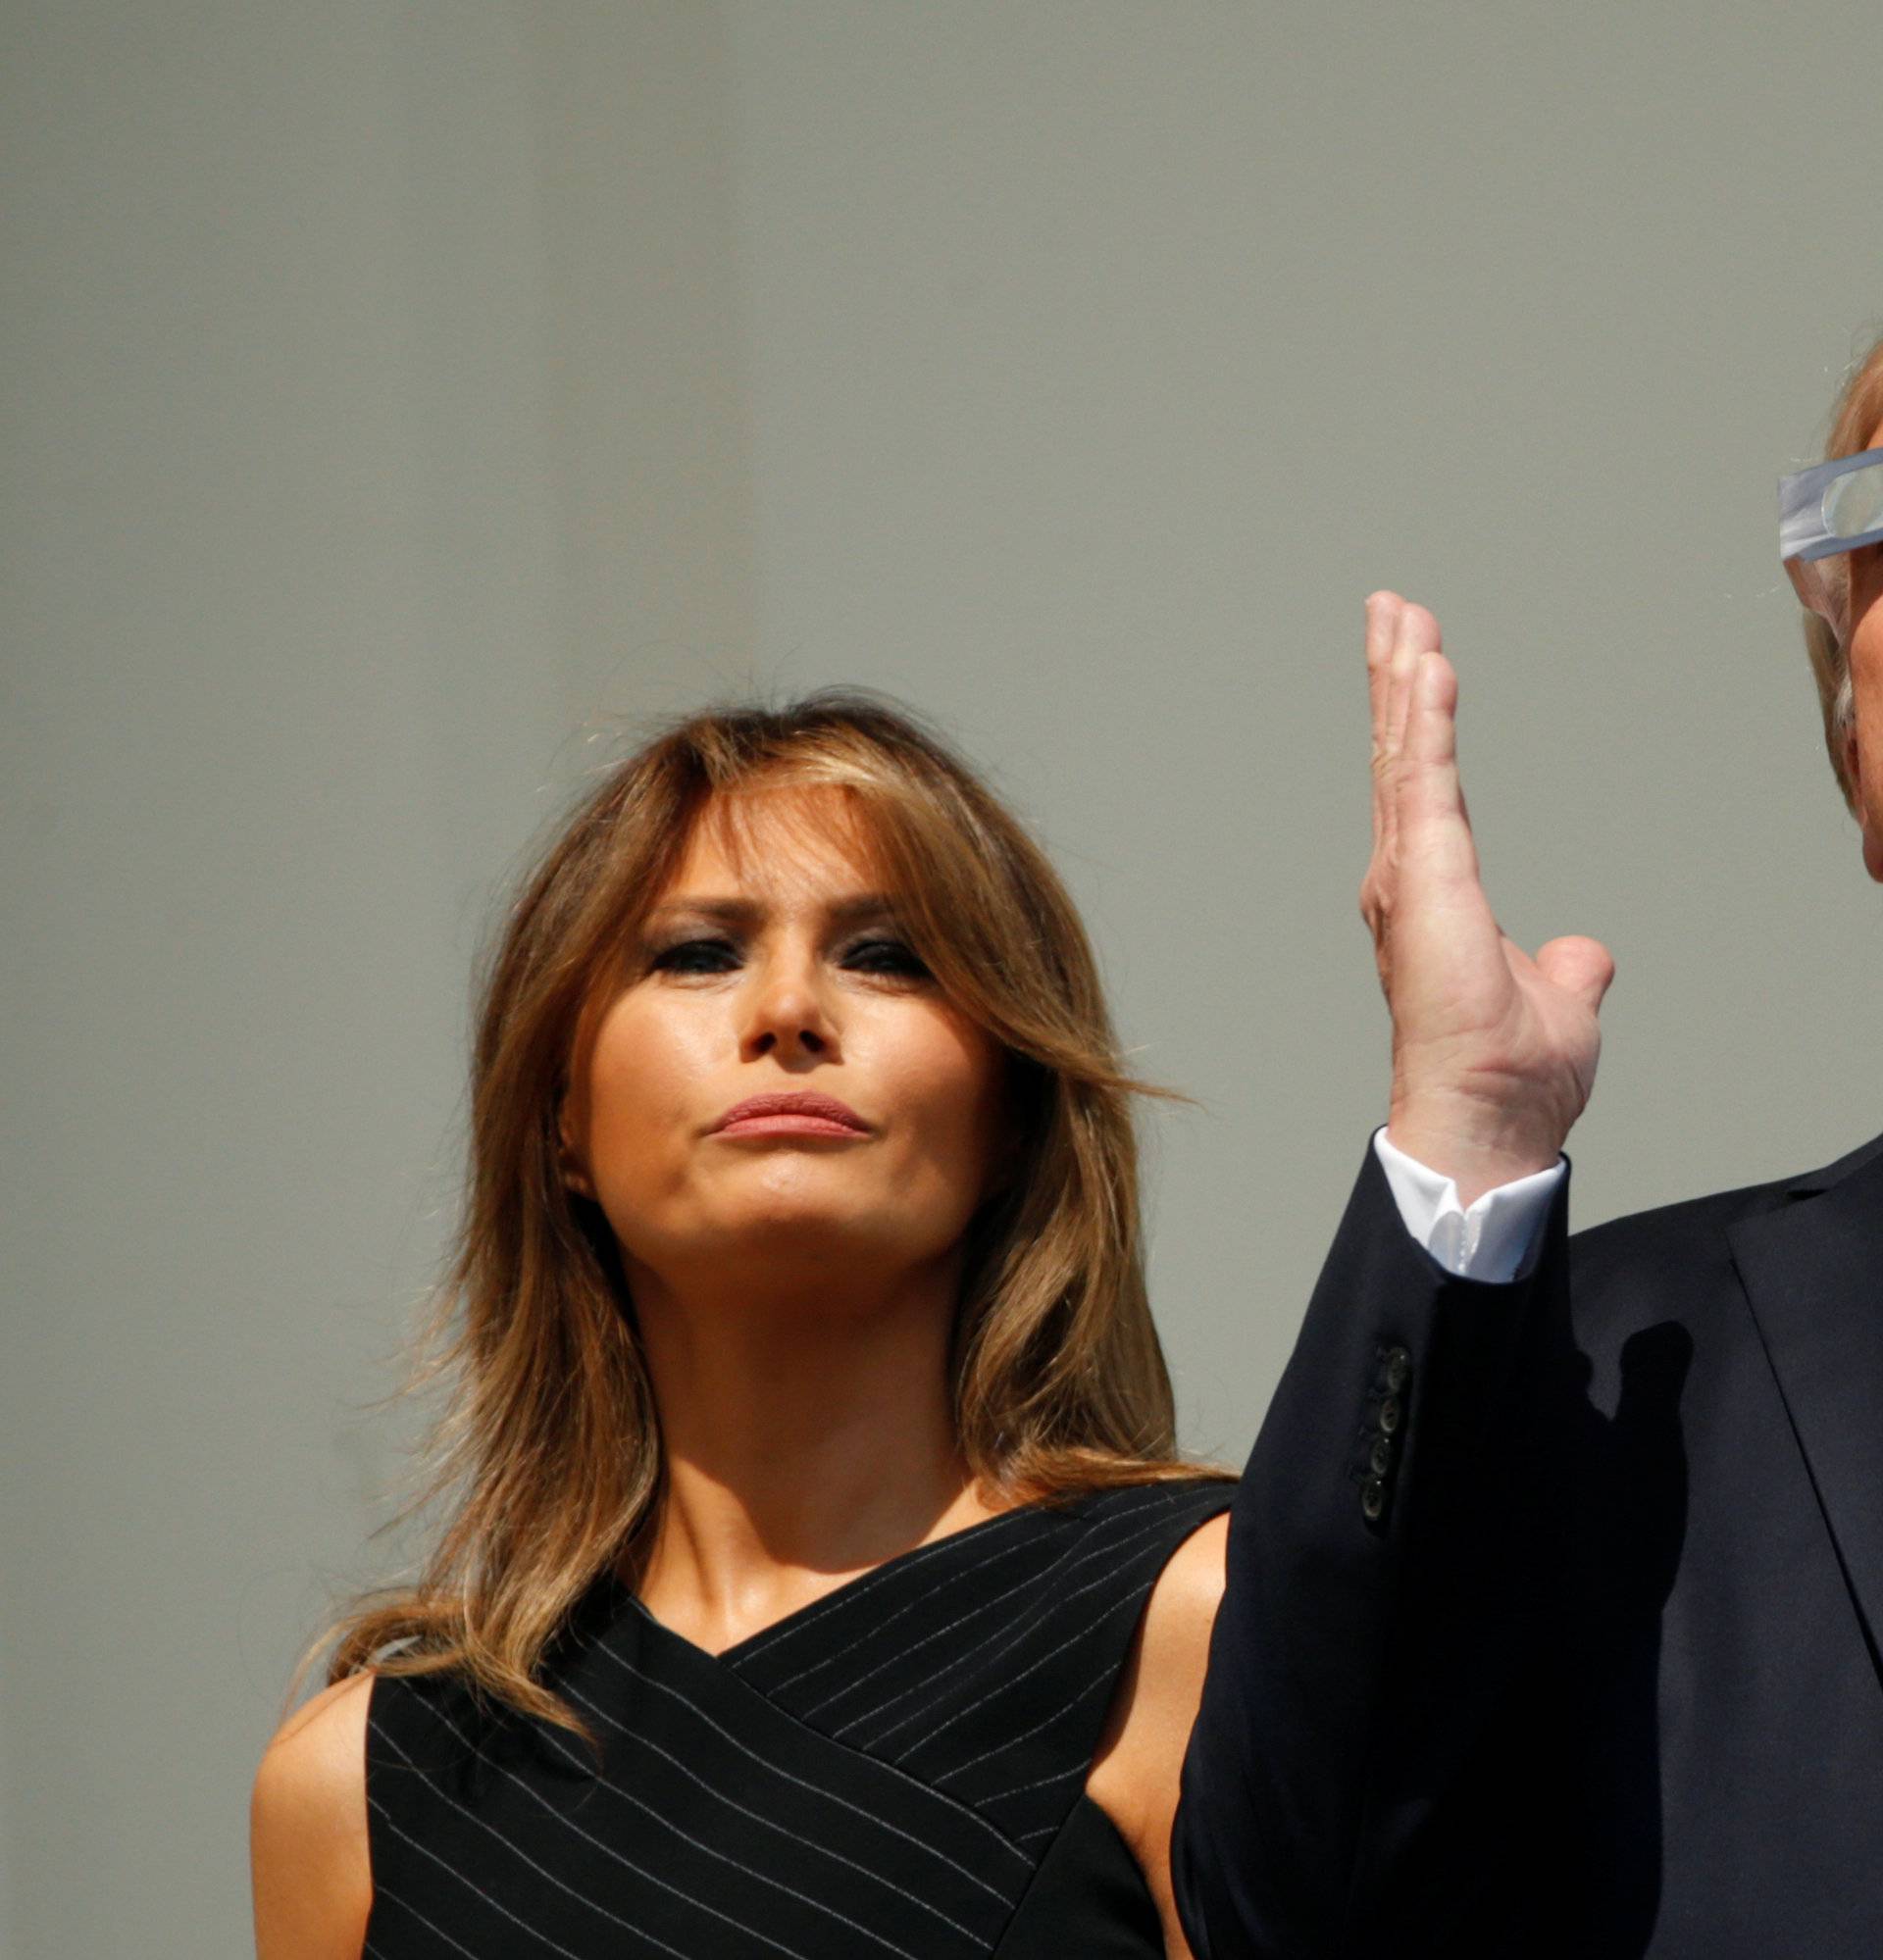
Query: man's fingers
{"x": 1415, "y": 629}
{"x": 1431, "y": 708}
{"x": 1434, "y": 835}
{"x": 1383, "y": 611}
{"x": 1416, "y": 634}
{"x": 1581, "y": 967}
{"x": 1382, "y": 620}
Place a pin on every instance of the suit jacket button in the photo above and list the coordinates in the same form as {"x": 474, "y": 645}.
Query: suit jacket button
{"x": 1399, "y": 1369}
{"x": 1380, "y": 1461}
{"x": 1372, "y": 1498}
{"x": 1390, "y": 1413}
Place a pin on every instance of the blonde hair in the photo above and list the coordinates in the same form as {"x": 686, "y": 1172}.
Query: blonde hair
{"x": 550, "y": 1438}
{"x": 1855, "y": 414}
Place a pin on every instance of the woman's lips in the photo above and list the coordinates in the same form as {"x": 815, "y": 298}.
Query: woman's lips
{"x": 789, "y": 1123}
{"x": 803, "y": 1112}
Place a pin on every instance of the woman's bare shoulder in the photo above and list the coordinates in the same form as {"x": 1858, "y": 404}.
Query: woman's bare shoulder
{"x": 1164, "y": 1679}
{"x": 308, "y": 1856}
{"x": 1139, "y": 1757}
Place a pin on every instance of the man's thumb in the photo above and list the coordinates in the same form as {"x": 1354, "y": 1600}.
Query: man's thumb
{"x": 1579, "y": 966}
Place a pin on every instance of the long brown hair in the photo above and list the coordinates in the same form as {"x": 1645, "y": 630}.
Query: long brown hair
{"x": 550, "y": 1436}
{"x": 1855, "y": 414}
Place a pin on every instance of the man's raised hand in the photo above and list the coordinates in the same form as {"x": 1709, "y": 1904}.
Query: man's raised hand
{"x": 1493, "y": 1052}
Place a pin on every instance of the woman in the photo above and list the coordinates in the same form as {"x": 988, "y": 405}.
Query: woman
{"x": 825, "y": 1578}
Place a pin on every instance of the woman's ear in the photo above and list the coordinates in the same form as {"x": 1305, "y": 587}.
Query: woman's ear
{"x": 575, "y": 1175}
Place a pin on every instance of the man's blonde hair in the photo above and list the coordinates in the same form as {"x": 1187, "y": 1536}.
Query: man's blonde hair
{"x": 1855, "y": 414}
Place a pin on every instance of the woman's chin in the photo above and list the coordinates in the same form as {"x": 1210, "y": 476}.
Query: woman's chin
{"x": 870, "y": 1248}
{"x": 787, "y": 1230}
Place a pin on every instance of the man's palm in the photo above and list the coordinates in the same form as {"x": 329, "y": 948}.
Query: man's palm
{"x": 1494, "y": 1051}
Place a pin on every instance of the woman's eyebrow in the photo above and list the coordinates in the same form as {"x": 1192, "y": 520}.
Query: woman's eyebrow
{"x": 741, "y": 911}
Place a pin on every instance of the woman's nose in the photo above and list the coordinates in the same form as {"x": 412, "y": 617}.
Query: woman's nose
{"x": 786, "y": 1008}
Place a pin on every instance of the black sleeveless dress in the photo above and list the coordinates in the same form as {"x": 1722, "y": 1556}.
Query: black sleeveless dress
{"x": 896, "y": 1769}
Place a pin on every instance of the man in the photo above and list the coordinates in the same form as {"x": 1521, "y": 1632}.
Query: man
{"x": 1555, "y": 1581}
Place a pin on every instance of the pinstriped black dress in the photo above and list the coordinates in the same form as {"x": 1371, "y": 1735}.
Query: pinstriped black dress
{"x": 896, "y": 1769}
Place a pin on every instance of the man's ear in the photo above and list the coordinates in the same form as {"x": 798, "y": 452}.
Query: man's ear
{"x": 1865, "y": 820}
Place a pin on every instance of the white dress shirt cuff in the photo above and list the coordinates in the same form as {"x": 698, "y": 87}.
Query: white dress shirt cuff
{"x": 1491, "y": 1241}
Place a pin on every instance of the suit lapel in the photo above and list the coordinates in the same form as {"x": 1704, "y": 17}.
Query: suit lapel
{"x": 1813, "y": 1274}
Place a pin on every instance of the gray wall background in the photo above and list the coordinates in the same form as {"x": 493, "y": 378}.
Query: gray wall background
{"x": 398, "y": 395}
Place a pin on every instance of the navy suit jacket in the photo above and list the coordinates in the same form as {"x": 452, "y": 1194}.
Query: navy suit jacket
{"x": 1554, "y": 1607}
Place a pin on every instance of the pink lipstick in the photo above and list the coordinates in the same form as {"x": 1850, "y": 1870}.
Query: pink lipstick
{"x": 790, "y": 1111}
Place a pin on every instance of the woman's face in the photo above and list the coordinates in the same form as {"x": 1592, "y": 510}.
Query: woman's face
{"x": 770, "y": 964}
{"x": 1867, "y": 681}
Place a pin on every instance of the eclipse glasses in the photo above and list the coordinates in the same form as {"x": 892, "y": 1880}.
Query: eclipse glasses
{"x": 1822, "y": 511}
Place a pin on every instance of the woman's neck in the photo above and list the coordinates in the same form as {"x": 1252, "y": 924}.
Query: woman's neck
{"x": 799, "y": 1447}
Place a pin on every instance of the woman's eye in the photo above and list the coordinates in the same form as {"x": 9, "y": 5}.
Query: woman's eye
{"x": 703, "y": 956}
{"x": 688, "y": 958}
{"x": 887, "y": 956}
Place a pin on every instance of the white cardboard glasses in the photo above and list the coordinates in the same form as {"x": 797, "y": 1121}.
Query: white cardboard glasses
{"x": 1823, "y": 513}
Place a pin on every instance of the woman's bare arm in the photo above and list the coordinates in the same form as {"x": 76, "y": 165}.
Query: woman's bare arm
{"x": 313, "y": 1880}
{"x": 1139, "y": 1761}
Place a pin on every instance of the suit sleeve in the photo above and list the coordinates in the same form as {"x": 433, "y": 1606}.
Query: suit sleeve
{"x": 1390, "y": 1586}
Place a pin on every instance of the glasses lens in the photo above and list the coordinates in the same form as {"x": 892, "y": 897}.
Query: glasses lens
{"x": 1853, "y": 501}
